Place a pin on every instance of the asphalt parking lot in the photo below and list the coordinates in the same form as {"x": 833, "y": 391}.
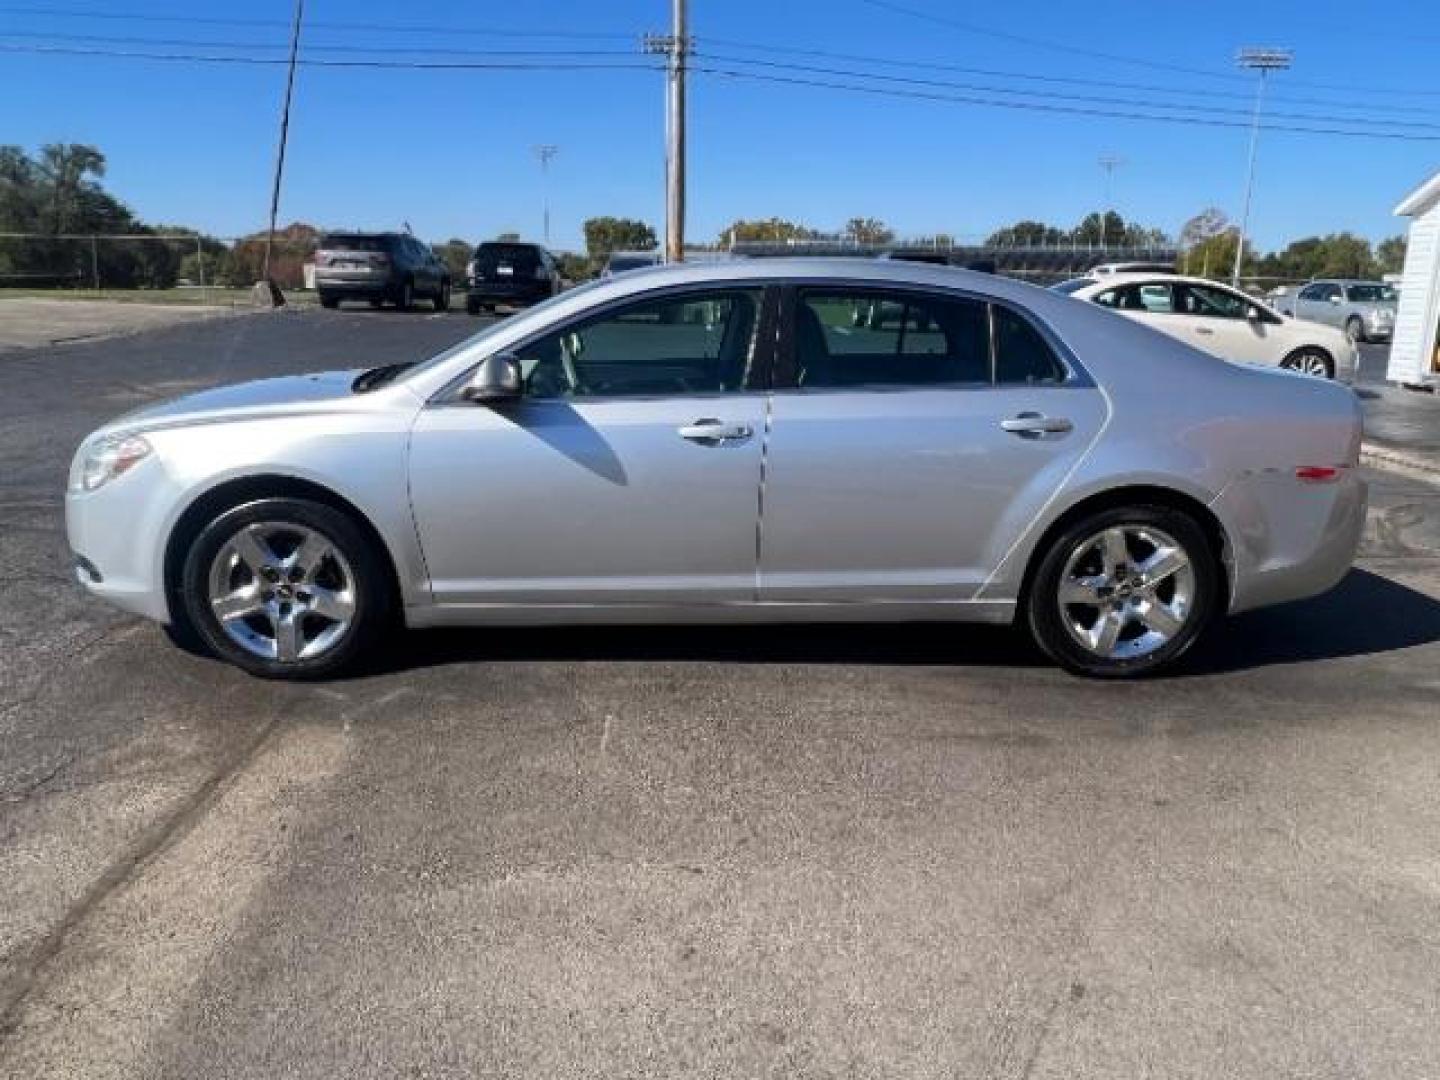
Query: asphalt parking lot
{"x": 794, "y": 852}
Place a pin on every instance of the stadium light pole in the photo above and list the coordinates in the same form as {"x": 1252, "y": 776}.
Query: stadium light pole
{"x": 275, "y": 297}
{"x": 546, "y": 153}
{"x": 1263, "y": 60}
{"x": 1108, "y": 162}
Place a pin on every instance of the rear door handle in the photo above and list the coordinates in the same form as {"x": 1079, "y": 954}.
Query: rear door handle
{"x": 711, "y": 432}
{"x": 1030, "y": 425}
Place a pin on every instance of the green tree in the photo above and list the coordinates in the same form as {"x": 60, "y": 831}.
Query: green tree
{"x": 870, "y": 231}
{"x": 455, "y": 254}
{"x": 772, "y": 230}
{"x": 1027, "y": 233}
{"x": 1390, "y": 254}
{"x": 574, "y": 267}
{"x": 1102, "y": 230}
{"x": 606, "y": 234}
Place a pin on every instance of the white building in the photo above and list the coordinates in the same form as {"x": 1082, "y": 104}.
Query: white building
{"x": 1415, "y": 353}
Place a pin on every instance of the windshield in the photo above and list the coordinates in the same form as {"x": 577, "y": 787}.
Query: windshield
{"x": 1371, "y": 294}
{"x": 618, "y": 264}
{"x": 1072, "y": 286}
{"x": 350, "y": 242}
{"x": 536, "y": 313}
{"x": 517, "y": 256}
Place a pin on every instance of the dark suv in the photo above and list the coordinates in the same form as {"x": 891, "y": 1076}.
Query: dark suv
{"x": 378, "y": 267}
{"x": 513, "y": 274}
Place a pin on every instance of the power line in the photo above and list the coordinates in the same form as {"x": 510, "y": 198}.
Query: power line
{"x": 191, "y": 43}
{"x": 1046, "y": 107}
{"x": 1071, "y": 80}
{"x": 1040, "y": 43}
{"x": 636, "y": 64}
{"x": 389, "y": 28}
{"x": 1054, "y": 95}
{"x": 942, "y": 20}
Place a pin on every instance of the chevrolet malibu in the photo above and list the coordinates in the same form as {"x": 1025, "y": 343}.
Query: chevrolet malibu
{"x": 730, "y": 443}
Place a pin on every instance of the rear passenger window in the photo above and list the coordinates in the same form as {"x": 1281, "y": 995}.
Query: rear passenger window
{"x": 1022, "y": 355}
{"x": 867, "y": 338}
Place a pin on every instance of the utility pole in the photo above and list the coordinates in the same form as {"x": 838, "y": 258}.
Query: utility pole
{"x": 275, "y": 296}
{"x": 676, "y": 46}
{"x": 1263, "y": 60}
{"x": 545, "y": 153}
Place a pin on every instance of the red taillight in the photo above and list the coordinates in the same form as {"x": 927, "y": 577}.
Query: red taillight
{"x": 1318, "y": 474}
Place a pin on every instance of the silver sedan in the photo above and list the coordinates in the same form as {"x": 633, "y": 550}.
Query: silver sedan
{"x": 732, "y": 442}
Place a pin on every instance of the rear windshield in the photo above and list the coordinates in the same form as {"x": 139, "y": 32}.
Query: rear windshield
{"x": 1371, "y": 294}
{"x": 1073, "y": 285}
{"x": 351, "y": 242}
{"x": 618, "y": 264}
{"x": 516, "y": 256}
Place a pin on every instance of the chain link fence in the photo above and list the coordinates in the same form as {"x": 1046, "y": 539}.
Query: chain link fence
{"x": 170, "y": 267}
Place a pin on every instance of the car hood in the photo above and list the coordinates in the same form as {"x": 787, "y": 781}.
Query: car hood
{"x": 288, "y": 395}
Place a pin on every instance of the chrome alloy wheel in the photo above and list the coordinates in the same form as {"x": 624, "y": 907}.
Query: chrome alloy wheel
{"x": 1309, "y": 362}
{"x": 1126, "y": 591}
{"x": 281, "y": 591}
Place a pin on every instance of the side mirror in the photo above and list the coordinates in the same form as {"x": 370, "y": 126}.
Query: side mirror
{"x": 496, "y": 379}
{"x": 1252, "y": 313}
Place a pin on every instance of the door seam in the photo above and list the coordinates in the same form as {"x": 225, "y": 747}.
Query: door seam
{"x": 760, "y": 490}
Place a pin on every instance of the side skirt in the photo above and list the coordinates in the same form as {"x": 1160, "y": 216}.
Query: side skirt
{"x": 974, "y": 611}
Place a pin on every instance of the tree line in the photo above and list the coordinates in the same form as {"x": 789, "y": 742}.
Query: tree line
{"x": 58, "y": 191}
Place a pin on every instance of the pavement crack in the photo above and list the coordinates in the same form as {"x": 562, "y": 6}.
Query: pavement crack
{"x": 151, "y": 844}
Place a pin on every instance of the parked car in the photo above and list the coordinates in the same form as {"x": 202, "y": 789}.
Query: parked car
{"x": 1365, "y": 310}
{"x": 599, "y": 459}
{"x": 1106, "y": 269}
{"x": 379, "y": 267}
{"x": 1218, "y": 319}
{"x": 513, "y": 274}
{"x": 619, "y": 262}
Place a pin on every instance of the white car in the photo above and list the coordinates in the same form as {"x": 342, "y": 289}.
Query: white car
{"x": 1218, "y": 319}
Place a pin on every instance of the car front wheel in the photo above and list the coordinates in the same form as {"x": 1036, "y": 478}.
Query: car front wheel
{"x": 442, "y": 297}
{"x": 1310, "y": 361}
{"x": 286, "y": 588}
{"x": 1123, "y": 592}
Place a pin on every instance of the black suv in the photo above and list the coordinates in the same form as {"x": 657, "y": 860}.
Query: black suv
{"x": 513, "y": 274}
{"x": 378, "y": 267}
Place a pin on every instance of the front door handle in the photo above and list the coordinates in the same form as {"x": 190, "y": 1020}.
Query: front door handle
{"x": 1031, "y": 425}
{"x": 1203, "y": 330}
{"x": 711, "y": 432}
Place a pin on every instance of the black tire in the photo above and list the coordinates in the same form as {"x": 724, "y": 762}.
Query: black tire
{"x": 371, "y": 587}
{"x": 405, "y": 298}
{"x": 375, "y": 304}
{"x": 1355, "y": 329}
{"x": 329, "y": 300}
{"x": 472, "y": 306}
{"x": 442, "y": 297}
{"x": 1312, "y": 361}
{"x": 1047, "y": 620}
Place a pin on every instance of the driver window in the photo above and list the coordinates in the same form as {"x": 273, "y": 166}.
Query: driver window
{"x": 1212, "y": 303}
{"x": 699, "y": 343}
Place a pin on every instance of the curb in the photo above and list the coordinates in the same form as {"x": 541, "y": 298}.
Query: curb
{"x": 1397, "y": 461}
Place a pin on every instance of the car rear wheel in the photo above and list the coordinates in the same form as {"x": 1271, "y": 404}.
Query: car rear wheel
{"x": 329, "y": 300}
{"x": 1123, "y": 592}
{"x": 405, "y": 299}
{"x": 442, "y": 298}
{"x": 286, "y": 588}
{"x": 1310, "y": 361}
{"x": 1355, "y": 329}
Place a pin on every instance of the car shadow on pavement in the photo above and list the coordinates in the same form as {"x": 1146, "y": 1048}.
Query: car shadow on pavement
{"x": 1363, "y": 615}
{"x": 796, "y": 643}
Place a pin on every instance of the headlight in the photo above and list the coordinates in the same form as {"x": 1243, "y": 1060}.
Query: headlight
{"x": 105, "y": 459}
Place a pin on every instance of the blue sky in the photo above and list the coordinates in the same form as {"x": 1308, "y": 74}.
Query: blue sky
{"x": 451, "y": 151}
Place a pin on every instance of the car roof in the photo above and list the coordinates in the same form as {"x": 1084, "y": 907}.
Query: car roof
{"x": 1133, "y": 276}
